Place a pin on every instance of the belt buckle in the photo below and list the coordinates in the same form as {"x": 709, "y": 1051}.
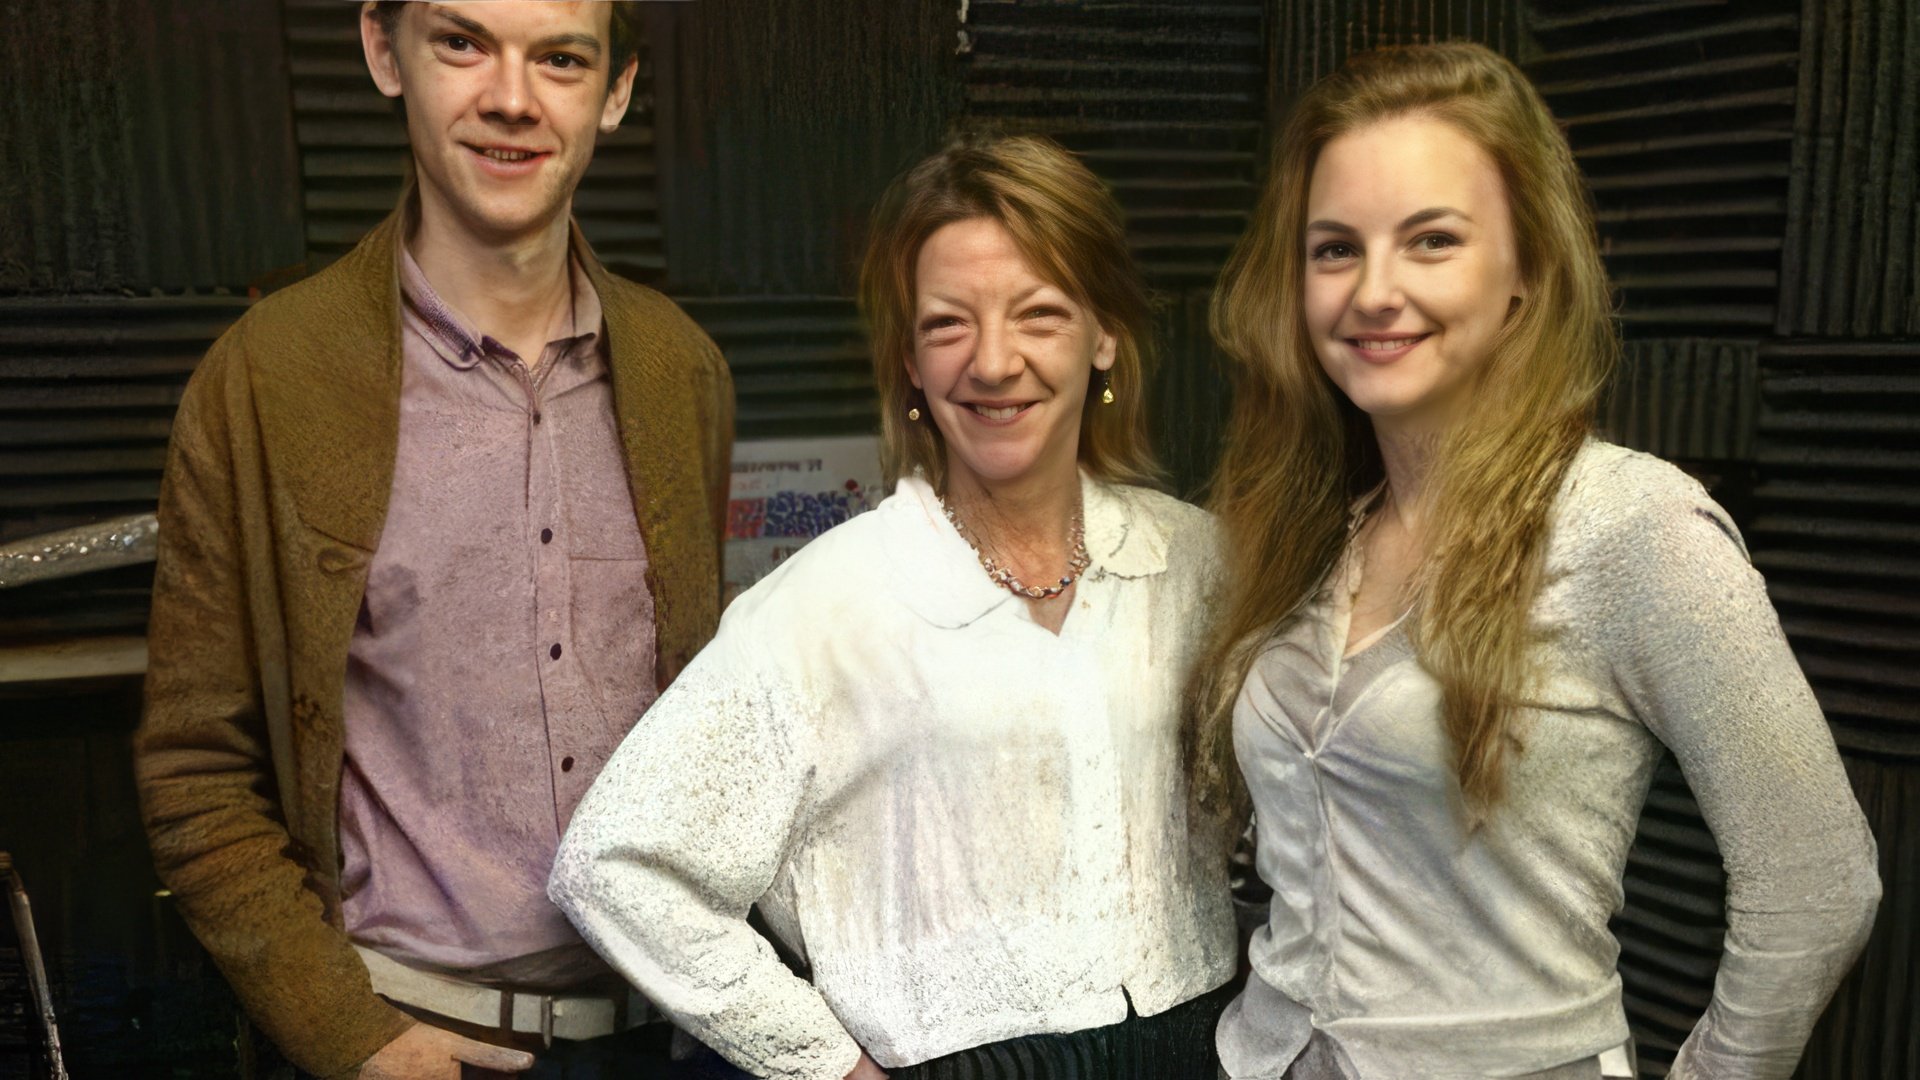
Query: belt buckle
{"x": 546, "y": 1015}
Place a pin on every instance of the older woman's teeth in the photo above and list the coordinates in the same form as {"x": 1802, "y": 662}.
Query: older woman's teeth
{"x": 1007, "y": 413}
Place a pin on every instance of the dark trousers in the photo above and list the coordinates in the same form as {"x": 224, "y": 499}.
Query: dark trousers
{"x": 1173, "y": 1045}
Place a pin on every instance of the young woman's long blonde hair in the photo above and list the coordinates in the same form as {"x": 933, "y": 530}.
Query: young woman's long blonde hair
{"x": 1298, "y": 453}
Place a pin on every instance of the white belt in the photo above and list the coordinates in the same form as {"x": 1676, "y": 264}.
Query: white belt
{"x": 550, "y": 1016}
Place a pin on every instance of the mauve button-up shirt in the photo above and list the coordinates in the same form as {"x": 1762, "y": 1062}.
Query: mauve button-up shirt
{"x": 504, "y": 647}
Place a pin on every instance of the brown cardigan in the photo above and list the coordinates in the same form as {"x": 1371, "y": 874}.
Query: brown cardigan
{"x": 276, "y": 489}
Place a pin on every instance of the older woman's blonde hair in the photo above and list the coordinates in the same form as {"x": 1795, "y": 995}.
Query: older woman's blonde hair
{"x": 1069, "y": 229}
{"x": 1299, "y": 453}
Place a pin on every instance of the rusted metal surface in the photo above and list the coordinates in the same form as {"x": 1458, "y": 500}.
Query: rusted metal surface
{"x": 353, "y": 151}
{"x": 1681, "y": 117}
{"x": 1852, "y": 265}
{"x": 146, "y": 144}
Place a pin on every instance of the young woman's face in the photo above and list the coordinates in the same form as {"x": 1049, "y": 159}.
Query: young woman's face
{"x": 1411, "y": 266}
{"x": 1002, "y": 356}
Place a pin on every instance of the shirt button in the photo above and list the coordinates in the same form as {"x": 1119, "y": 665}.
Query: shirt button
{"x": 566, "y": 764}
{"x": 555, "y": 651}
{"x": 546, "y": 536}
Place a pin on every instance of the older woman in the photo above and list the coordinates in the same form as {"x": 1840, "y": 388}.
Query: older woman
{"x": 939, "y": 746}
{"x": 1464, "y": 631}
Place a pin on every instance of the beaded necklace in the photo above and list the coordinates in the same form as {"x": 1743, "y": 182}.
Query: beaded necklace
{"x": 1077, "y": 561}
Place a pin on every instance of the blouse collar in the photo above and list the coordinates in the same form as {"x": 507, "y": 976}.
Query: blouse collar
{"x": 935, "y": 572}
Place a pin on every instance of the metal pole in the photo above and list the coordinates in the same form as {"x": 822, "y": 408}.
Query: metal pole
{"x": 36, "y": 970}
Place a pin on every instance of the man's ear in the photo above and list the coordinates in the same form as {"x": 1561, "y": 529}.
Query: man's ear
{"x": 619, "y": 94}
{"x": 382, "y": 64}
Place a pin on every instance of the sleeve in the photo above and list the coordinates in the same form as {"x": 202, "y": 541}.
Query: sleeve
{"x": 1697, "y": 652}
{"x": 684, "y": 829}
{"x": 205, "y": 773}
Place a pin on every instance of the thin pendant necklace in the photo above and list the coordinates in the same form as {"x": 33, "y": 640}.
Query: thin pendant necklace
{"x": 1077, "y": 561}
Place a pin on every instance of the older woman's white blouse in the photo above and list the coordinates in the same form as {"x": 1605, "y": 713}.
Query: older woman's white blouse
{"x": 1422, "y": 947}
{"x": 970, "y": 828}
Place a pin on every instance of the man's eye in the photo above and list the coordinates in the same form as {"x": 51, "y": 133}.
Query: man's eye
{"x": 456, "y": 43}
{"x": 565, "y": 62}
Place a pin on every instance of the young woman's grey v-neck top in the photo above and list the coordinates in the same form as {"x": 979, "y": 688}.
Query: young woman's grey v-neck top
{"x": 1423, "y": 948}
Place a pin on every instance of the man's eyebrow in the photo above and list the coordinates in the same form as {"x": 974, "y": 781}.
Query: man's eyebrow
{"x": 473, "y": 28}
{"x": 586, "y": 43}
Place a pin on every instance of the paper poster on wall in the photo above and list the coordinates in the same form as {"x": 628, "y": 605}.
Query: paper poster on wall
{"x": 785, "y": 492}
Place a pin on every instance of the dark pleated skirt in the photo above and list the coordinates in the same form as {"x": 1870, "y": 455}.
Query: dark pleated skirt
{"x": 1174, "y": 1045}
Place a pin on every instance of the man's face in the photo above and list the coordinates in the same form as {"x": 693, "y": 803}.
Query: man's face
{"x": 503, "y": 100}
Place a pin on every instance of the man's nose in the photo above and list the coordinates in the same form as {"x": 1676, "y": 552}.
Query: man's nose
{"x": 509, "y": 92}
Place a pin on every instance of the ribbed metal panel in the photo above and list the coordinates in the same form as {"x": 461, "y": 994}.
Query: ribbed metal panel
{"x": 1853, "y": 244}
{"x": 1836, "y": 529}
{"x": 1164, "y": 100}
{"x": 1692, "y": 399}
{"x": 1681, "y": 116}
{"x": 799, "y": 363}
{"x": 353, "y": 151}
{"x": 146, "y": 146}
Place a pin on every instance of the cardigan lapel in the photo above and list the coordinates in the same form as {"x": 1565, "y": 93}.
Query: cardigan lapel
{"x": 329, "y": 399}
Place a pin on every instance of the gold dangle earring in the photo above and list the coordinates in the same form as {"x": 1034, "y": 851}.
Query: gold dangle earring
{"x": 913, "y": 411}
{"x": 1106, "y": 388}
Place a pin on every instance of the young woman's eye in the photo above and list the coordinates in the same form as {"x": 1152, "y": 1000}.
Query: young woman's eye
{"x": 1334, "y": 251}
{"x": 1435, "y": 242}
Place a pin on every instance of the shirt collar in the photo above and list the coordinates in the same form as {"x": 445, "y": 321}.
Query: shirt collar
{"x": 937, "y": 574}
{"x": 460, "y": 343}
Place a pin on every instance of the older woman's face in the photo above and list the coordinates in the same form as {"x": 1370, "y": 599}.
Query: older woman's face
{"x": 1002, "y": 356}
{"x": 1411, "y": 265}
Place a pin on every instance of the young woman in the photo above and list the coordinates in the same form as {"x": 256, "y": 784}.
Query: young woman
{"x": 940, "y": 746}
{"x": 1462, "y": 630}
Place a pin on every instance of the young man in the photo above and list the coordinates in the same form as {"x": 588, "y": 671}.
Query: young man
{"x": 438, "y": 524}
